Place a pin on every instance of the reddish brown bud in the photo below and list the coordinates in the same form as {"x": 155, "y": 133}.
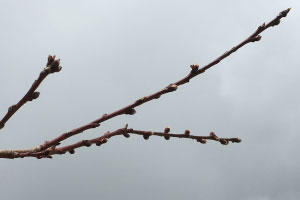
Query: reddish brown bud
{"x": 213, "y": 135}
{"x": 261, "y": 27}
{"x": 130, "y": 111}
{"x": 167, "y": 130}
{"x": 276, "y": 22}
{"x": 72, "y": 151}
{"x": 126, "y": 134}
{"x": 201, "y": 140}
{"x": 171, "y": 88}
{"x": 223, "y": 141}
{"x": 256, "y": 38}
{"x": 187, "y": 132}
{"x": 86, "y": 143}
{"x": 237, "y": 140}
{"x": 98, "y": 144}
{"x": 50, "y": 59}
{"x": 146, "y": 136}
{"x": 141, "y": 100}
{"x": 55, "y": 63}
{"x": 194, "y": 67}
{"x": 12, "y": 108}
{"x": 34, "y": 95}
{"x": 167, "y": 137}
{"x": 104, "y": 140}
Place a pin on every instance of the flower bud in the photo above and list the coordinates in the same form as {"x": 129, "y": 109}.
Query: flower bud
{"x": 167, "y": 130}
{"x": 187, "y": 132}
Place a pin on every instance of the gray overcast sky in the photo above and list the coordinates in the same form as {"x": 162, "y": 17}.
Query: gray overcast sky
{"x": 113, "y": 52}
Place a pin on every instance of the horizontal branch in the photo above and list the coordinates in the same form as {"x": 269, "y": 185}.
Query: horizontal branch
{"x": 195, "y": 71}
{"x": 52, "y": 66}
{"x": 48, "y": 153}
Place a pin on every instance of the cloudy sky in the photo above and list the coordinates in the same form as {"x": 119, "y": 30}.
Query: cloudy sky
{"x": 114, "y": 52}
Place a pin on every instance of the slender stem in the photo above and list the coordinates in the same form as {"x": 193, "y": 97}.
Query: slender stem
{"x": 48, "y": 153}
{"x": 52, "y": 66}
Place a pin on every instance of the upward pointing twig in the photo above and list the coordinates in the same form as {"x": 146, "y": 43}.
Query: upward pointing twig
{"x": 52, "y": 66}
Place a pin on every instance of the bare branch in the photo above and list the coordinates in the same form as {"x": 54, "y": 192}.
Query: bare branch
{"x": 48, "y": 153}
{"x": 49, "y": 148}
{"x": 52, "y": 66}
{"x": 129, "y": 109}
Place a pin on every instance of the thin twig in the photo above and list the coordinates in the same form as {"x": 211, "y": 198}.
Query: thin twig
{"x": 52, "y": 66}
{"x": 48, "y": 153}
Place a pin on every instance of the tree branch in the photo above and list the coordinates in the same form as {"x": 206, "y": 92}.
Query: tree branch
{"x": 195, "y": 71}
{"x": 49, "y": 147}
{"x": 52, "y": 66}
{"x": 48, "y": 153}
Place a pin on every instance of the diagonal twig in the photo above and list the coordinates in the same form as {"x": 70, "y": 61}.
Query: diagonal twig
{"x": 52, "y": 66}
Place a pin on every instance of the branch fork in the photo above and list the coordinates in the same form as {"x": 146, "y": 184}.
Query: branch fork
{"x": 53, "y": 147}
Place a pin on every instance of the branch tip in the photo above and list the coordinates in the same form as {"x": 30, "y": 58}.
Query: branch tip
{"x": 285, "y": 12}
{"x": 236, "y": 140}
{"x": 53, "y": 65}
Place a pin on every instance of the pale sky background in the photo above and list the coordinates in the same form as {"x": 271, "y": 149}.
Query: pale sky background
{"x": 114, "y": 52}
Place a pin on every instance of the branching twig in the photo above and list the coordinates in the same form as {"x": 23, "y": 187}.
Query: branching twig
{"x": 170, "y": 88}
{"x": 52, "y": 66}
{"x": 49, "y": 147}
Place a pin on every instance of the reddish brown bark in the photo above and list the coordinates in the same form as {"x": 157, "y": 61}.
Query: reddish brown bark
{"x": 50, "y": 147}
